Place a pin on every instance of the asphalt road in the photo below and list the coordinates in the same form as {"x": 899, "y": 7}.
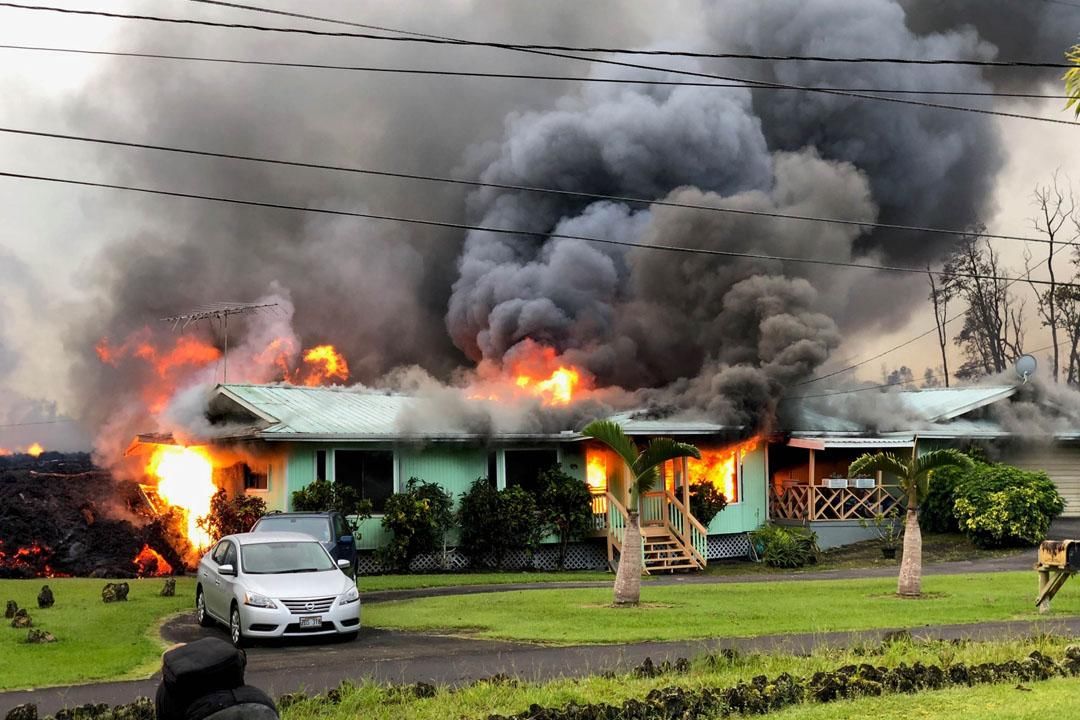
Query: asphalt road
{"x": 394, "y": 657}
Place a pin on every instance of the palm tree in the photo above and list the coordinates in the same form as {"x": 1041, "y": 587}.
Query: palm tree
{"x": 914, "y": 476}
{"x": 643, "y": 466}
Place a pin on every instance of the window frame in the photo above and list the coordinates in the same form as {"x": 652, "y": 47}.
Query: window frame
{"x": 332, "y": 466}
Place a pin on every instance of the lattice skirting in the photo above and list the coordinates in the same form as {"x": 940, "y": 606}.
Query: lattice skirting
{"x": 733, "y": 545}
{"x": 591, "y": 555}
{"x": 579, "y": 556}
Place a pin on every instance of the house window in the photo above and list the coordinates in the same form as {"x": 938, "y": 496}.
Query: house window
{"x": 493, "y": 468}
{"x": 369, "y": 472}
{"x": 256, "y": 480}
{"x": 320, "y": 464}
{"x": 523, "y": 467}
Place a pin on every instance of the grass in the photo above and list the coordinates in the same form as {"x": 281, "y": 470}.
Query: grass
{"x": 1053, "y": 698}
{"x": 937, "y": 548}
{"x": 687, "y": 612}
{"x": 377, "y": 702}
{"x": 95, "y": 641}
{"x": 374, "y": 583}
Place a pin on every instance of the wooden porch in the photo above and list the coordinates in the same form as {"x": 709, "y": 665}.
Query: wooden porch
{"x": 818, "y": 489}
{"x": 672, "y": 538}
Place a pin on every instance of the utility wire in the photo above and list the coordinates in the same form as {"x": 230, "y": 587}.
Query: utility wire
{"x": 40, "y": 422}
{"x": 898, "y": 382}
{"x": 507, "y": 76}
{"x": 519, "y": 188}
{"x": 673, "y": 53}
{"x": 527, "y": 233}
{"x": 505, "y": 46}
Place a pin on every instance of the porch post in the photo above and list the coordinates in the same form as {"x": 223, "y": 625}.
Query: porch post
{"x": 810, "y": 499}
{"x": 685, "y": 483}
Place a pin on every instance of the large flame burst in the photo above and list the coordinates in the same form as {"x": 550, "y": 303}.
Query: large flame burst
{"x": 185, "y": 478}
{"x": 720, "y": 467}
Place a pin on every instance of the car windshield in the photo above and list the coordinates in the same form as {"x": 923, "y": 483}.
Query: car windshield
{"x": 316, "y": 527}
{"x": 275, "y": 558}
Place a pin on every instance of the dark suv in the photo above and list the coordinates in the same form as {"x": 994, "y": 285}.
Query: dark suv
{"x": 329, "y": 528}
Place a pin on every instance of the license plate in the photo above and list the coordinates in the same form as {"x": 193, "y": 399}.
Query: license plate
{"x": 311, "y": 622}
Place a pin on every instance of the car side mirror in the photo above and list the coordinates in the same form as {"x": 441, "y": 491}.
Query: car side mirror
{"x": 344, "y": 564}
{"x": 226, "y": 570}
{"x": 345, "y": 539}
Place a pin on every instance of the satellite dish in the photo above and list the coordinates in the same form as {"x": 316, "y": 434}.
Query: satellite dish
{"x": 1025, "y": 367}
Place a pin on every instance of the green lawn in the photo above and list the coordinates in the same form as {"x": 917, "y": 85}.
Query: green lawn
{"x": 584, "y": 615}
{"x": 372, "y": 583}
{"x": 1059, "y": 698}
{"x": 478, "y": 701}
{"x": 95, "y": 641}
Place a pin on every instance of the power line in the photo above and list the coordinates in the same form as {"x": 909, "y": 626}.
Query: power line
{"x": 509, "y": 76}
{"x": 518, "y": 188}
{"x": 675, "y": 53}
{"x": 40, "y": 422}
{"x": 506, "y": 46}
{"x": 895, "y": 382}
{"x": 527, "y": 233}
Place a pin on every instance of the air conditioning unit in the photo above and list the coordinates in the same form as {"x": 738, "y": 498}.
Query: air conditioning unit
{"x": 836, "y": 483}
{"x": 865, "y": 483}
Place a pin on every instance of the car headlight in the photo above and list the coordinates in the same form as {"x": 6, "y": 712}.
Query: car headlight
{"x": 349, "y": 596}
{"x": 257, "y": 600}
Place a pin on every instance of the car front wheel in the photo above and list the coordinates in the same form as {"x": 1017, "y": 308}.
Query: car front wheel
{"x": 200, "y": 610}
{"x": 236, "y": 634}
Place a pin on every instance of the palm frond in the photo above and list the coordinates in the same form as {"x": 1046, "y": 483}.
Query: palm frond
{"x": 646, "y": 481}
{"x": 879, "y": 462}
{"x": 938, "y": 459}
{"x": 1072, "y": 80}
{"x": 611, "y": 434}
{"x": 659, "y": 451}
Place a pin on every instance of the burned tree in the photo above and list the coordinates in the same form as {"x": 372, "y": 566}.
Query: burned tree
{"x": 1056, "y": 220}
{"x": 940, "y": 295}
{"x": 992, "y": 333}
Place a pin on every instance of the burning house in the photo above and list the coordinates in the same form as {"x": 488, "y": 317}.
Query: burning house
{"x": 290, "y": 436}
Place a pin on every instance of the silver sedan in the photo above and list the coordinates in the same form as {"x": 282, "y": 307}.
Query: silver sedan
{"x": 269, "y": 585}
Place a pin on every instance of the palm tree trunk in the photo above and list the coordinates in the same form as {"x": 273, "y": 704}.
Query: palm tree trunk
{"x": 628, "y": 576}
{"x": 910, "y": 581}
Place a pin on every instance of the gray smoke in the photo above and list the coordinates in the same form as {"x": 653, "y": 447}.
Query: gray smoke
{"x": 715, "y": 335}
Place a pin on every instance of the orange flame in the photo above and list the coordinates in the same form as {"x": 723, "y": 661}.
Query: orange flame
{"x": 5, "y": 451}
{"x": 35, "y": 450}
{"x": 150, "y": 563}
{"x": 325, "y": 364}
{"x": 185, "y": 481}
{"x": 719, "y": 466}
{"x": 538, "y": 371}
{"x": 596, "y": 473}
{"x": 170, "y": 363}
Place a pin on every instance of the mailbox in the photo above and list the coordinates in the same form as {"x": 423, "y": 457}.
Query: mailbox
{"x": 1060, "y": 555}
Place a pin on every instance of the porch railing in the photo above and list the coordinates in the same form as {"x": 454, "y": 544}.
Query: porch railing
{"x": 817, "y": 502}
{"x": 694, "y": 535}
{"x": 616, "y": 523}
{"x": 600, "y": 512}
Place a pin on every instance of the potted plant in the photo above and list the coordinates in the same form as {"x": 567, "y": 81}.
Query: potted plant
{"x": 889, "y": 530}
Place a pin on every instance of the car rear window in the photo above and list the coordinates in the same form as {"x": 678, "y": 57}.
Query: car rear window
{"x": 316, "y": 527}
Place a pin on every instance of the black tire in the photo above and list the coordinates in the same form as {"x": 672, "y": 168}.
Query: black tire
{"x": 201, "y": 615}
{"x": 236, "y": 632}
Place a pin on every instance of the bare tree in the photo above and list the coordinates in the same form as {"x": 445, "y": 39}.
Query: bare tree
{"x": 940, "y": 297}
{"x": 992, "y": 334}
{"x": 1055, "y": 220}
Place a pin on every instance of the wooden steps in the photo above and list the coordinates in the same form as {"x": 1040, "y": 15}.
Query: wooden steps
{"x": 664, "y": 553}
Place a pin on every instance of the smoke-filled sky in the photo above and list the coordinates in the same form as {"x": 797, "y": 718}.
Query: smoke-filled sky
{"x": 716, "y": 336}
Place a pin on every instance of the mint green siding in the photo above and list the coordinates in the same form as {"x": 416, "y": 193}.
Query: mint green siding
{"x": 750, "y": 512}
{"x": 454, "y": 469}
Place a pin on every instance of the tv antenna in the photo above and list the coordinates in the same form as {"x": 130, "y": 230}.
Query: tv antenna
{"x": 217, "y": 311}
{"x": 1025, "y": 367}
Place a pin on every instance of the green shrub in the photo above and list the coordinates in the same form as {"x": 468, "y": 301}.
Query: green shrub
{"x": 230, "y": 516}
{"x": 786, "y": 547}
{"x": 496, "y": 521}
{"x": 1001, "y": 506}
{"x": 936, "y": 512}
{"x": 418, "y": 520}
{"x": 565, "y": 507}
{"x": 325, "y": 496}
{"x": 706, "y": 502}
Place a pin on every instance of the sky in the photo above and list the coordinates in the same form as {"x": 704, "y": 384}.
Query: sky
{"x": 59, "y": 244}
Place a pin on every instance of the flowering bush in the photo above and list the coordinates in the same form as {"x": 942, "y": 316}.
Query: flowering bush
{"x": 999, "y": 506}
